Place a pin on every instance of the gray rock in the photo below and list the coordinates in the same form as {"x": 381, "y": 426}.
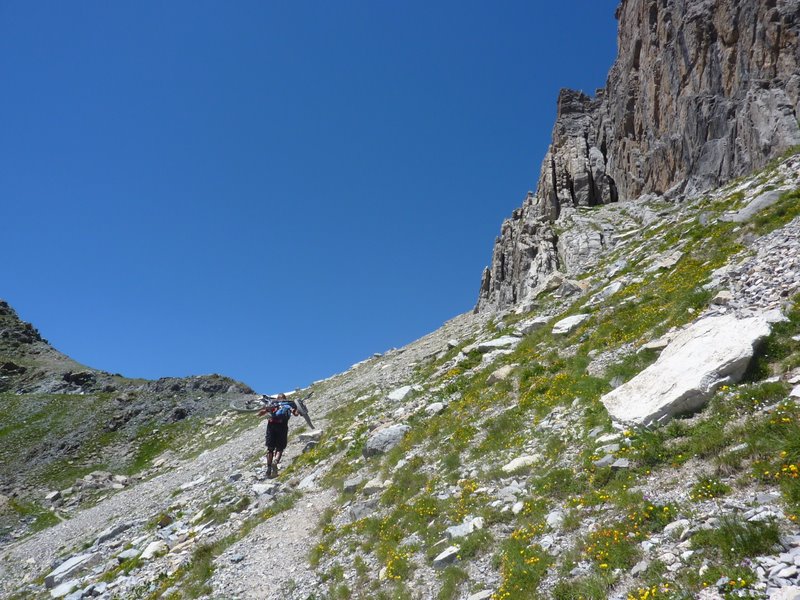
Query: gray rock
{"x": 640, "y": 567}
{"x": 128, "y": 554}
{"x": 531, "y": 325}
{"x": 469, "y": 526}
{"x": 350, "y": 485}
{"x": 554, "y": 519}
{"x": 65, "y": 588}
{"x": 399, "y": 394}
{"x": 500, "y": 374}
{"x": 568, "y": 325}
{"x": 482, "y": 595}
{"x": 521, "y": 462}
{"x": 69, "y": 568}
{"x": 434, "y": 408}
{"x": 446, "y": 557}
{"x": 606, "y": 461}
{"x": 753, "y": 207}
{"x": 384, "y": 439}
{"x": 154, "y": 549}
{"x": 113, "y": 532}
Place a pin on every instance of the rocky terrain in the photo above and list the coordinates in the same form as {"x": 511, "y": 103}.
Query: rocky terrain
{"x": 66, "y": 427}
{"x": 505, "y": 455}
{"x": 619, "y": 418}
{"x": 701, "y": 92}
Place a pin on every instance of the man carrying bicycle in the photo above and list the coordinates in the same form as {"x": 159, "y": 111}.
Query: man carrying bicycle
{"x": 279, "y": 411}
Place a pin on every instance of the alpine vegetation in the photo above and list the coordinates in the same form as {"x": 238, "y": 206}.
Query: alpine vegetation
{"x": 619, "y": 417}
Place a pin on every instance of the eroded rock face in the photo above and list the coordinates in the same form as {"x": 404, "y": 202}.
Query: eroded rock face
{"x": 701, "y": 92}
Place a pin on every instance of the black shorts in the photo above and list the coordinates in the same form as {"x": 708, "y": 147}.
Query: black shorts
{"x": 277, "y": 435}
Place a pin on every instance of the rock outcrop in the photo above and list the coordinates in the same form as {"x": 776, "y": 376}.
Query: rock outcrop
{"x": 701, "y": 92}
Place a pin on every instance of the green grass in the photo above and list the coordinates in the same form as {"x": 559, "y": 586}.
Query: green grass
{"x": 735, "y": 539}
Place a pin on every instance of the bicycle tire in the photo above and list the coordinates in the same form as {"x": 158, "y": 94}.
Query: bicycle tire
{"x": 246, "y": 405}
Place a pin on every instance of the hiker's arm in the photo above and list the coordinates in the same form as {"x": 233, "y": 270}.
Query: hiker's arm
{"x": 262, "y": 412}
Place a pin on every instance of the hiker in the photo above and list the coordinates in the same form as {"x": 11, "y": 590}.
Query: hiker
{"x": 279, "y": 411}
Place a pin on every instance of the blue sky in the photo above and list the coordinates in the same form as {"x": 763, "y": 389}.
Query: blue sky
{"x": 270, "y": 190}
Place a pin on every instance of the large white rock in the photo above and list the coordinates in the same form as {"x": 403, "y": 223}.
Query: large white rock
{"x": 507, "y": 341}
{"x": 568, "y": 325}
{"x": 399, "y": 394}
{"x": 521, "y": 462}
{"x": 68, "y": 568}
{"x": 699, "y": 359}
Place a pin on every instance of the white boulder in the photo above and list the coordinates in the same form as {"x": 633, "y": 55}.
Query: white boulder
{"x": 399, "y": 394}
{"x": 568, "y": 325}
{"x": 521, "y": 462}
{"x": 707, "y": 354}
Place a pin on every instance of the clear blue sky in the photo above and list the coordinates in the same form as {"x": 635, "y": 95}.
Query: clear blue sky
{"x": 270, "y": 190}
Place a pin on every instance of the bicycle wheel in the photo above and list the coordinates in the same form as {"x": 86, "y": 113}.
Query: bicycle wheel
{"x": 247, "y": 405}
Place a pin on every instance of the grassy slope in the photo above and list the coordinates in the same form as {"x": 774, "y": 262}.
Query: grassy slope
{"x": 550, "y": 378}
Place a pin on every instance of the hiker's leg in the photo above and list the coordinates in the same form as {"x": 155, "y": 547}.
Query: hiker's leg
{"x": 269, "y": 458}
{"x": 278, "y": 454}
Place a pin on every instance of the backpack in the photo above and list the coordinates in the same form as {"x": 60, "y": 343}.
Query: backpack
{"x": 282, "y": 412}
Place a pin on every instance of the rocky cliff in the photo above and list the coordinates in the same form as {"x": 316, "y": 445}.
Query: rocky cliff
{"x": 701, "y": 92}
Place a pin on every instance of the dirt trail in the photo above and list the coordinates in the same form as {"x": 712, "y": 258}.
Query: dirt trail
{"x": 271, "y": 563}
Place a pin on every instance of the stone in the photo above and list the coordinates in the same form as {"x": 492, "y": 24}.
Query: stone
{"x": 154, "y": 549}
{"x": 788, "y": 573}
{"x": 606, "y": 461}
{"x": 755, "y": 206}
{"x": 504, "y": 342}
{"x": 434, "y": 408}
{"x": 384, "y": 439}
{"x": 261, "y": 489}
{"x": 128, "y": 554}
{"x": 531, "y": 325}
{"x": 373, "y": 486}
{"x": 554, "y": 519}
{"x": 53, "y": 496}
{"x": 785, "y": 593}
{"x": 314, "y": 435}
{"x": 112, "y": 532}
{"x": 65, "y": 588}
{"x": 707, "y": 354}
{"x": 795, "y": 393}
{"x": 621, "y": 463}
{"x": 640, "y": 567}
{"x": 446, "y": 557}
{"x": 468, "y": 526}
{"x": 482, "y": 595}
{"x": 69, "y": 568}
{"x": 517, "y": 507}
{"x": 676, "y": 528}
{"x": 351, "y": 485}
{"x": 400, "y": 393}
{"x": 723, "y": 298}
{"x": 193, "y": 484}
{"x": 568, "y": 325}
{"x": 500, "y": 374}
{"x": 521, "y": 462}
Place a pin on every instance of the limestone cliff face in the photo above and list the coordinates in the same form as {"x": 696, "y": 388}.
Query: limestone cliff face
{"x": 702, "y": 91}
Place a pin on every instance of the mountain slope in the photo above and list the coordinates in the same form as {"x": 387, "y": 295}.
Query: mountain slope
{"x": 491, "y": 435}
{"x": 62, "y": 421}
